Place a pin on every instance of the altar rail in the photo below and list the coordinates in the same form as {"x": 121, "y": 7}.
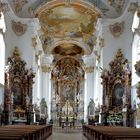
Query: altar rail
{"x": 110, "y": 133}
{"x": 25, "y": 132}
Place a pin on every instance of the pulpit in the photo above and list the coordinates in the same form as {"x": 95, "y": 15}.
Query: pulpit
{"x": 18, "y": 89}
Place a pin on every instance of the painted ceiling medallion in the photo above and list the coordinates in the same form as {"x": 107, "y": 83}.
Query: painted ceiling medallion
{"x": 116, "y": 29}
{"x": 117, "y": 4}
{"x": 19, "y": 28}
{"x": 18, "y": 4}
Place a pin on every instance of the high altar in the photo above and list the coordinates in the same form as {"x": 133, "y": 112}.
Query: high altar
{"x": 67, "y": 92}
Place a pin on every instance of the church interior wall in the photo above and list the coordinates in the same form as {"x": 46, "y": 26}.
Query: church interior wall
{"x": 23, "y": 42}
{"x": 124, "y": 41}
{"x": 42, "y": 85}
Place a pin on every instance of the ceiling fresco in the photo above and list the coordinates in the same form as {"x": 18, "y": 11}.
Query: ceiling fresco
{"x": 68, "y": 49}
{"x": 68, "y": 21}
{"x": 109, "y": 8}
{"x": 72, "y": 21}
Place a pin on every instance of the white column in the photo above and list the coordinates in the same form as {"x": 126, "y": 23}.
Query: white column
{"x": 39, "y": 85}
{"x": 85, "y": 100}
{"x": 46, "y": 91}
{"x": 49, "y": 98}
{"x": 46, "y": 62}
{"x": 89, "y": 92}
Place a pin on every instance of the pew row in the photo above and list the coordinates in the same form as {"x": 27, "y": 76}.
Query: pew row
{"x": 110, "y": 133}
{"x": 25, "y": 132}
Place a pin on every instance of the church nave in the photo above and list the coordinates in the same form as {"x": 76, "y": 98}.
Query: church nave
{"x": 67, "y": 136}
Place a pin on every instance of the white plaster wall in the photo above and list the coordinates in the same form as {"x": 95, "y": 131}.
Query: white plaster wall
{"x": 113, "y": 44}
{"x": 24, "y": 42}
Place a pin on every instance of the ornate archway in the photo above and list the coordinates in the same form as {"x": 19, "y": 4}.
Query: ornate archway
{"x": 67, "y": 91}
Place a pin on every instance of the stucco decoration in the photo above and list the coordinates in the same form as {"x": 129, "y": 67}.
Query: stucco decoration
{"x": 34, "y": 42}
{"x": 18, "y": 4}
{"x": 101, "y": 42}
{"x": 46, "y": 68}
{"x": 137, "y": 68}
{"x": 19, "y": 28}
{"x": 133, "y": 7}
{"x": 138, "y": 90}
{"x": 117, "y": 29}
{"x": 117, "y": 4}
{"x": 89, "y": 69}
{"x": 4, "y": 7}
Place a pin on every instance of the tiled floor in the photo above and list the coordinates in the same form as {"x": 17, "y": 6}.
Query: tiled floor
{"x": 67, "y": 136}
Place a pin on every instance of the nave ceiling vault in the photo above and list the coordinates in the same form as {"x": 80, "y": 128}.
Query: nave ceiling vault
{"x": 75, "y": 21}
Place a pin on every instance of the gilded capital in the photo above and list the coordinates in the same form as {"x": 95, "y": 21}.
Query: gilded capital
{"x": 34, "y": 42}
{"x": 46, "y": 68}
{"x": 89, "y": 69}
{"x": 101, "y": 42}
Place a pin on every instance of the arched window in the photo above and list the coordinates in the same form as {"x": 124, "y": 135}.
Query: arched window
{"x": 2, "y": 49}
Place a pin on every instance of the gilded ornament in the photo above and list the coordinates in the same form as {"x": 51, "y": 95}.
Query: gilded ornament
{"x": 16, "y": 53}
{"x": 138, "y": 90}
{"x": 116, "y": 29}
{"x": 117, "y": 4}
{"x": 89, "y": 69}
{"x": 117, "y": 84}
{"x": 37, "y": 56}
{"x": 4, "y": 7}
{"x": 133, "y": 7}
{"x": 46, "y": 68}
{"x": 19, "y": 28}
{"x": 101, "y": 42}
{"x": 97, "y": 56}
{"x": 137, "y": 68}
{"x": 18, "y": 4}
{"x": 34, "y": 42}
{"x": 18, "y": 84}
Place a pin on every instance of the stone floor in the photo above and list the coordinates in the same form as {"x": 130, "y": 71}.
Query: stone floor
{"x": 66, "y": 136}
{"x": 67, "y": 133}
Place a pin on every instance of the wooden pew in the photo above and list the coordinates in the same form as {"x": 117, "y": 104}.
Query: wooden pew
{"x": 111, "y": 133}
{"x": 25, "y": 132}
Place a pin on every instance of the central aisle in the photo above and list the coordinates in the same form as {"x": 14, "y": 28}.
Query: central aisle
{"x": 67, "y": 136}
{"x": 67, "y": 133}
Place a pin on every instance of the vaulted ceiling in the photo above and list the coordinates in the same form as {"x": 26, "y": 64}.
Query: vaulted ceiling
{"x": 109, "y": 8}
{"x": 69, "y": 25}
